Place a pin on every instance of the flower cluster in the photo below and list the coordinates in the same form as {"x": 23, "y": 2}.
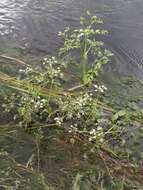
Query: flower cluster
{"x": 54, "y": 66}
{"x": 26, "y": 70}
{"x": 49, "y": 61}
{"x": 9, "y": 103}
{"x": 75, "y": 108}
{"x": 35, "y": 103}
{"x": 100, "y": 89}
{"x": 97, "y": 135}
{"x": 49, "y": 74}
{"x": 58, "y": 120}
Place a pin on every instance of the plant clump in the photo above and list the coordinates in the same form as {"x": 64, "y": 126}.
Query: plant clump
{"x": 43, "y": 100}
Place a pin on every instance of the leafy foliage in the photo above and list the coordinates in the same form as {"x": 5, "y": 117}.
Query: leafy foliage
{"x": 85, "y": 40}
{"x": 42, "y": 99}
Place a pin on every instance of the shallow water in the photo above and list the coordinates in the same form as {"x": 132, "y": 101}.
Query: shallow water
{"x": 34, "y": 24}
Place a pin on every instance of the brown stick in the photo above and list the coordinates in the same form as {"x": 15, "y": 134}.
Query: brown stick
{"x": 14, "y": 59}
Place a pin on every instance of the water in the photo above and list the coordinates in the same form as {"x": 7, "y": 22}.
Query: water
{"x": 34, "y": 24}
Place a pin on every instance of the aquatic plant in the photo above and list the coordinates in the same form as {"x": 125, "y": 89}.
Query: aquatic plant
{"x": 92, "y": 53}
{"x": 42, "y": 99}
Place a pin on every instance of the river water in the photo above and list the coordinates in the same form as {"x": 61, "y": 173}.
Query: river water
{"x": 34, "y": 24}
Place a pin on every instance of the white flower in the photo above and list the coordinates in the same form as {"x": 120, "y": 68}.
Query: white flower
{"x": 95, "y": 86}
{"x": 100, "y": 89}
{"x": 35, "y": 106}
{"x": 38, "y": 102}
{"x": 60, "y": 33}
{"x": 78, "y": 115}
{"x": 21, "y": 70}
{"x": 15, "y": 117}
{"x": 43, "y": 100}
{"x": 58, "y": 68}
{"x": 80, "y": 35}
{"x": 101, "y": 140}
{"x": 99, "y": 128}
{"x": 70, "y": 131}
{"x": 85, "y": 156}
{"x": 104, "y": 87}
{"x": 41, "y": 105}
{"x": 90, "y": 139}
{"x": 28, "y": 69}
{"x": 93, "y": 131}
{"x": 45, "y": 59}
{"x": 92, "y": 150}
{"x": 97, "y": 31}
{"x": 61, "y": 75}
{"x": 58, "y": 120}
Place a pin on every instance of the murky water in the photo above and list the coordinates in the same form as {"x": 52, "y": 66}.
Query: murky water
{"x": 34, "y": 24}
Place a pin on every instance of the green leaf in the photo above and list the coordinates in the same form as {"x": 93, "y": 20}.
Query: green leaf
{"x": 119, "y": 114}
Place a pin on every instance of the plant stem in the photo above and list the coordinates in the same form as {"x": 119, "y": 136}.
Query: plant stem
{"x": 84, "y": 60}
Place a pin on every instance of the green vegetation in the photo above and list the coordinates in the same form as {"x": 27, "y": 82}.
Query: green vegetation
{"x": 50, "y": 104}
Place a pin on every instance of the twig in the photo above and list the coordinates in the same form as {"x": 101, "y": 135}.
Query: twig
{"x": 76, "y": 87}
{"x": 14, "y": 59}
